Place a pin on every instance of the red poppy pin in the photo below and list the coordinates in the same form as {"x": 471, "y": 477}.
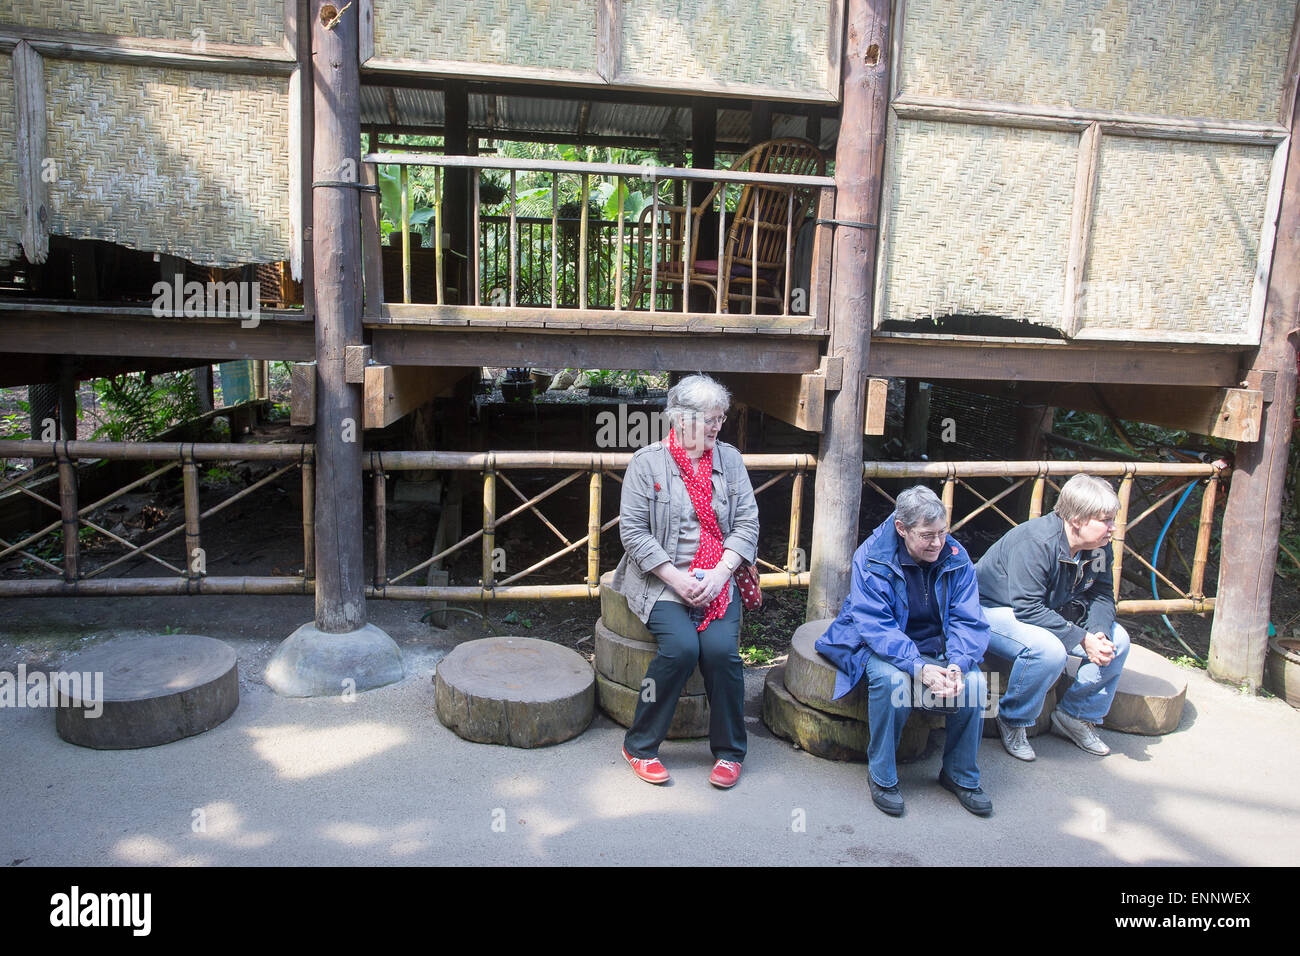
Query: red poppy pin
{"x": 954, "y": 549}
{"x": 657, "y": 488}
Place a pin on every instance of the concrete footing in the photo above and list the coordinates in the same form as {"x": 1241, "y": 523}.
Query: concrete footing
{"x": 312, "y": 663}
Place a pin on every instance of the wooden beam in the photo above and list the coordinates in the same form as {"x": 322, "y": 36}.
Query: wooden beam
{"x": 149, "y": 51}
{"x": 798, "y": 400}
{"x": 97, "y": 331}
{"x": 302, "y": 393}
{"x": 1085, "y": 186}
{"x": 718, "y": 353}
{"x": 877, "y": 397}
{"x": 392, "y": 391}
{"x": 609, "y": 38}
{"x": 355, "y": 360}
{"x": 1231, "y": 413}
{"x": 29, "y": 94}
{"x": 819, "y": 296}
{"x": 859, "y": 161}
{"x": 366, "y": 38}
{"x": 995, "y": 359}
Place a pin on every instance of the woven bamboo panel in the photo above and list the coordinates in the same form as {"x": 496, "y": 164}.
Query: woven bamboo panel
{"x": 551, "y": 34}
{"x": 191, "y": 164}
{"x": 1175, "y": 238}
{"x": 1194, "y": 58}
{"x": 250, "y": 22}
{"x": 977, "y": 221}
{"x": 11, "y": 207}
{"x": 715, "y": 43}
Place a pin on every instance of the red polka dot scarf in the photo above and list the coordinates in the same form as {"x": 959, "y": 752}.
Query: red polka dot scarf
{"x": 699, "y": 485}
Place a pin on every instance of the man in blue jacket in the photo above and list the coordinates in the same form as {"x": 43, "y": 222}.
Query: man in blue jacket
{"x": 913, "y": 626}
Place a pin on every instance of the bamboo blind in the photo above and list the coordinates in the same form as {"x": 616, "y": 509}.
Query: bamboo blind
{"x": 11, "y": 225}
{"x": 251, "y": 22}
{"x": 1175, "y": 237}
{"x": 978, "y": 221}
{"x": 190, "y": 164}
{"x": 1191, "y": 58}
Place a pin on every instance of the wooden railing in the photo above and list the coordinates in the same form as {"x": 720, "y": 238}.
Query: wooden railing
{"x": 1158, "y": 483}
{"x": 812, "y": 303}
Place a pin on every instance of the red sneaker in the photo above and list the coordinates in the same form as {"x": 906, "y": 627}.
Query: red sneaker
{"x": 725, "y": 774}
{"x": 648, "y": 769}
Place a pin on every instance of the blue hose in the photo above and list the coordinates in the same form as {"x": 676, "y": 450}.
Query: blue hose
{"x": 1155, "y": 560}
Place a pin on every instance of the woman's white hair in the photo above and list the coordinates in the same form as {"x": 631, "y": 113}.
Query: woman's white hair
{"x": 695, "y": 395}
{"x": 1084, "y": 497}
{"x": 919, "y": 505}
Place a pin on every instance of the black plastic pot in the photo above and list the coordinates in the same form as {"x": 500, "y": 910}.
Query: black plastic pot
{"x": 517, "y": 391}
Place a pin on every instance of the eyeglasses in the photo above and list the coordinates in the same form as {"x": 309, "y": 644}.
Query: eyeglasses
{"x": 712, "y": 422}
{"x": 929, "y": 537}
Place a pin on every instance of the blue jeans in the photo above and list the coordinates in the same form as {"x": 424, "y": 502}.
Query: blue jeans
{"x": 889, "y": 701}
{"x": 1037, "y": 658}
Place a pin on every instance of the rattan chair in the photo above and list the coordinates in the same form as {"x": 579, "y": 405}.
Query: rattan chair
{"x": 751, "y": 275}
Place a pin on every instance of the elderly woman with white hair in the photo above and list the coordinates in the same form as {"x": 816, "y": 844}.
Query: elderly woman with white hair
{"x": 1046, "y": 589}
{"x": 688, "y": 521}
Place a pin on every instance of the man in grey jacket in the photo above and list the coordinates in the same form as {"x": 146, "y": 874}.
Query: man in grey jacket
{"x": 1046, "y": 588}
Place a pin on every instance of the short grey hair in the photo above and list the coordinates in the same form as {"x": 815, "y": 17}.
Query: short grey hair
{"x": 919, "y": 505}
{"x": 1086, "y": 496}
{"x": 695, "y": 395}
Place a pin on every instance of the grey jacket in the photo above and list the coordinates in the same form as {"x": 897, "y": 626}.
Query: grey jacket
{"x": 1029, "y": 569}
{"x": 650, "y": 509}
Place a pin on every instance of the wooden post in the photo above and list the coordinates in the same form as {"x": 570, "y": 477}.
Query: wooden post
{"x": 308, "y": 520}
{"x": 859, "y": 158}
{"x": 1121, "y": 528}
{"x": 1253, "y": 517}
{"x": 336, "y": 248}
{"x": 381, "y": 526}
{"x": 593, "y": 530}
{"x": 455, "y": 189}
{"x": 68, "y": 398}
{"x": 68, "y": 509}
{"x": 916, "y": 420}
{"x": 1203, "y": 531}
{"x": 489, "y": 524}
{"x": 190, "y": 483}
{"x": 794, "y": 562}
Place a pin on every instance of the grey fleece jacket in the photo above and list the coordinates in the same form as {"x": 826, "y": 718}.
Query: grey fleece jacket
{"x": 1029, "y": 569}
{"x": 653, "y": 500}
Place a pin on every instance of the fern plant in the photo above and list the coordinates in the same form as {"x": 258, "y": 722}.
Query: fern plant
{"x": 138, "y": 406}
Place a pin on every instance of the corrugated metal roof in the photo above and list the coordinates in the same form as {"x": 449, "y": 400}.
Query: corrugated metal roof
{"x": 519, "y": 115}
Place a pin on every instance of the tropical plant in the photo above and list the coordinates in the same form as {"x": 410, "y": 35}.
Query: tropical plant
{"x": 137, "y": 406}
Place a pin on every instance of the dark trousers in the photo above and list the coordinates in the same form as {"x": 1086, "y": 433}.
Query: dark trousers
{"x": 716, "y": 650}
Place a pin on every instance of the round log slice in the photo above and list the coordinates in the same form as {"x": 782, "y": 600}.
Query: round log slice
{"x": 518, "y": 691}
{"x": 150, "y": 691}
{"x": 833, "y": 736}
{"x": 1282, "y": 669}
{"x": 624, "y": 660}
{"x": 618, "y": 617}
{"x": 1149, "y": 697}
{"x": 997, "y": 671}
{"x": 690, "y": 719}
{"x": 810, "y": 678}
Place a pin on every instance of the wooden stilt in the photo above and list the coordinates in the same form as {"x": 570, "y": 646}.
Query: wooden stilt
{"x": 1252, "y": 520}
{"x": 336, "y": 232}
{"x": 859, "y": 159}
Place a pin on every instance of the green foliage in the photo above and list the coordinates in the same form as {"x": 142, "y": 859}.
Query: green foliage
{"x": 13, "y": 425}
{"x": 138, "y": 406}
{"x": 514, "y": 618}
{"x": 1190, "y": 662}
{"x": 756, "y": 656}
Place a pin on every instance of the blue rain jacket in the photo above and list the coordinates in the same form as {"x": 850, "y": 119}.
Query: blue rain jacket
{"x": 874, "y": 614}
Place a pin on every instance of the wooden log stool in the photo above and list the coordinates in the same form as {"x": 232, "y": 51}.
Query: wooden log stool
{"x": 624, "y": 649}
{"x": 154, "y": 690}
{"x": 518, "y": 691}
{"x": 997, "y": 671}
{"x": 1149, "y": 697}
{"x": 797, "y": 706}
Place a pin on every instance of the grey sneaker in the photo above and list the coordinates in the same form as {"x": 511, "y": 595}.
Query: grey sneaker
{"x": 1015, "y": 740}
{"x": 1079, "y": 731}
